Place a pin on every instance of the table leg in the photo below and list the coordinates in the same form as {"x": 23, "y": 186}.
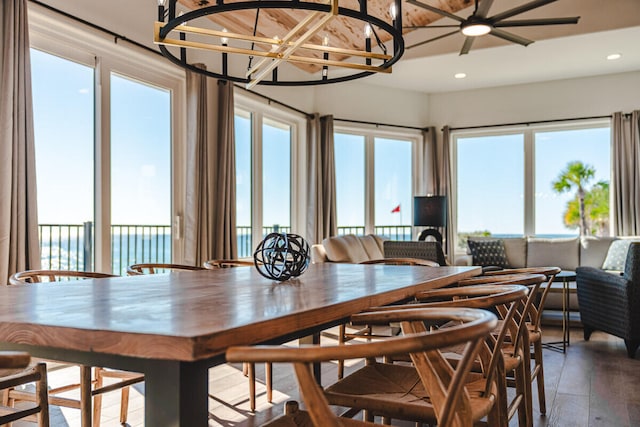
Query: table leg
{"x": 317, "y": 367}
{"x": 176, "y": 394}
{"x": 566, "y": 331}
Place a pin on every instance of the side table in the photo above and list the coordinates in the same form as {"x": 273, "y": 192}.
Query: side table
{"x": 565, "y": 276}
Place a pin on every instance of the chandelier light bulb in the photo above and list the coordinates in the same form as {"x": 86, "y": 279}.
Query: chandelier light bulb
{"x": 325, "y": 41}
{"x": 367, "y": 31}
{"x": 393, "y": 11}
{"x": 275, "y": 46}
{"x": 162, "y": 2}
{"x": 224, "y": 40}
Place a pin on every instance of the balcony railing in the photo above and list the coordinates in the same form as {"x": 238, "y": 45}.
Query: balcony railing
{"x": 64, "y": 246}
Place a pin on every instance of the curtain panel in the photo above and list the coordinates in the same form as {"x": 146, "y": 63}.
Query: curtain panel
{"x": 626, "y": 178}
{"x": 19, "y": 245}
{"x": 321, "y": 192}
{"x": 209, "y": 218}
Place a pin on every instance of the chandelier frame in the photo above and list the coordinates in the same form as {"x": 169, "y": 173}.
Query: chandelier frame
{"x": 282, "y": 50}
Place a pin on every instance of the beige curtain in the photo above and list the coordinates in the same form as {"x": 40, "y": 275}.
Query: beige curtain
{"x": 626, "y": 176}
{"x": 209, "y": 217}
{"x": 321, "y": 192}
{"x": 442, "y": 181}
{"x": 19, "y": 246}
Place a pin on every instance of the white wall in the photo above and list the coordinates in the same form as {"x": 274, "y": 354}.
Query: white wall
{"x": 575, "y": 98}
{"x": 361, "y": 101}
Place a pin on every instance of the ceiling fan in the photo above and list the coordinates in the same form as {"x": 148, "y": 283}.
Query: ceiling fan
{"x": 479, "y": 23}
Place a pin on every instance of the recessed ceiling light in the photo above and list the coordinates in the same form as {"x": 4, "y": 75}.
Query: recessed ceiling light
{"x": 614, "y": 56}
{"x": 460, "y": 75}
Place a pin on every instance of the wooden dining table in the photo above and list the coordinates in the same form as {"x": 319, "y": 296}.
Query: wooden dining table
{"x": 174, "y": 327}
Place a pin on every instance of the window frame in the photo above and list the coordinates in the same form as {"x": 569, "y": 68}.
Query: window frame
{"x": 528, "y": 131}
{"x": 259, "y": 110}
{"x": 65, "y": 38}
{"x": 370, "y": 133}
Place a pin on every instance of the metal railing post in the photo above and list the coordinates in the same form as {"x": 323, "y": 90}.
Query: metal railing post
{"x": 88, "y": 245}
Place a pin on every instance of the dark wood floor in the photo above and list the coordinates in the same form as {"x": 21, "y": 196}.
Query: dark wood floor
{"x": 593, "y": 384}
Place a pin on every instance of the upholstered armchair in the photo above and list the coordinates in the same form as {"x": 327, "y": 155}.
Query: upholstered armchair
{"x": 610, "y": 302}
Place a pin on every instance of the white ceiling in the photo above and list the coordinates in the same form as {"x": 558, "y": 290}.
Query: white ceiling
{"x": 559, "y": 52}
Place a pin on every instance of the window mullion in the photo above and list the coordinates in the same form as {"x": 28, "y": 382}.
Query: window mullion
{"x": 529, "y": 184}
{"x": 369, "y": 198}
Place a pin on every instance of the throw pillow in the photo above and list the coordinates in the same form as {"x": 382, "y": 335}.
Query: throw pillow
{"x": 488, "y": 252}
{"x": 617, "y": 255}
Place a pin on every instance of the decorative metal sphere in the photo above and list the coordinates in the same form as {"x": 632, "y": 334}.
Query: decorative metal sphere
{"x": 281, "y": 256}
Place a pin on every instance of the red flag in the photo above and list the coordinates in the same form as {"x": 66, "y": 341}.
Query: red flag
{"x": 396, "y": 209}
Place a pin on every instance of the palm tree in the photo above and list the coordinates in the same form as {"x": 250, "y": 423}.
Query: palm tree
{"x": 575, "y": 175}
{"x": 596, "y": 206}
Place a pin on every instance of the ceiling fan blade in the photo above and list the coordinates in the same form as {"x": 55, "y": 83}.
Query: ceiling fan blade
{"x": 510, "y": 37}
{"x": 435, "y": 10}
{"x": 520, "y": 9}
{"x": 483, "y": 8}
{"x": 532, "y": 22}
{"x": 433, "y": 39}
{"x": 431, "y": 26}
{"x": 466, "y": 47}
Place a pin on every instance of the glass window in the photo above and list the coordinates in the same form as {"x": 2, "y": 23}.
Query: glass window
{"x": 243, "y": 181}
{"x": 511, "y": 184}
{"x": 557, "y": 213}
{"x": 276, "y": 176}
{"x": 393, "y": 190}
{"x": 350, "y": 182}
{"x": 63, "y": 100}
{"x": 490, "y": 185}
{"x": 140, "y": 173}
{"x": 374, "y": 183}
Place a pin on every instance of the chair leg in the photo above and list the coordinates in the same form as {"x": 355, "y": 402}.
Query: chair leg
{"x": 124, "y": 405}
{"x": 252, "y": 386}
{"x": 542, "y": 401}
{"x": 632, "y": 347}
{"x": 42, "y": 396}
{"x": 85, "y": 396}
{"x": 97, "y": 399}
{"x": 341, "y": 333}
{"x": 587, "y": 331}
{"x": 268, "y": 374}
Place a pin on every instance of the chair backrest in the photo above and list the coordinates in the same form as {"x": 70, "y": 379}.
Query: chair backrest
{"x": 535, "y": 313}
{"x": 632, "y": 263}
{"x": 402, "y": 261}
{"x": 431, "y": 251}
{"x": 37, "y": 276}
{"x": 446, "y": 383}
{"x": 214, "y": 264}
{"x": 156, "y": 268}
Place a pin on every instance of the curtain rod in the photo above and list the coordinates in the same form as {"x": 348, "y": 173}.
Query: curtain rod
{"x": 535, "y": 122}
{"x": 116, "y": 36}
{"x": 362, "y": 122}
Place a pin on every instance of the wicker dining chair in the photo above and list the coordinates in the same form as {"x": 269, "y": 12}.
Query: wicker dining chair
{"x": 157, "y": 267}
{"x": 526, "y": 318}
{"x": 248, "y": 369}
{"x": 367, "y": 332}
{"x": 16, "y": 370}
{"x": 534, "y": 329}
{"x": 446, "y": 385}
{"x": 88, "y": 387}
{"x": 391, "y": 392}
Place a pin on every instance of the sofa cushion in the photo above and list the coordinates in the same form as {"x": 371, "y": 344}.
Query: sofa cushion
{"x": 563, "y": 253}
{"x": 593, "y": 250}
{"x": 488, "y": 252}
{"x": 352, "y": 248}
{"x": 617, "y": 255}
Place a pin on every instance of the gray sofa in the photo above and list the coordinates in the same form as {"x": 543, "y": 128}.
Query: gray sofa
{"x": 566, "y": 253}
